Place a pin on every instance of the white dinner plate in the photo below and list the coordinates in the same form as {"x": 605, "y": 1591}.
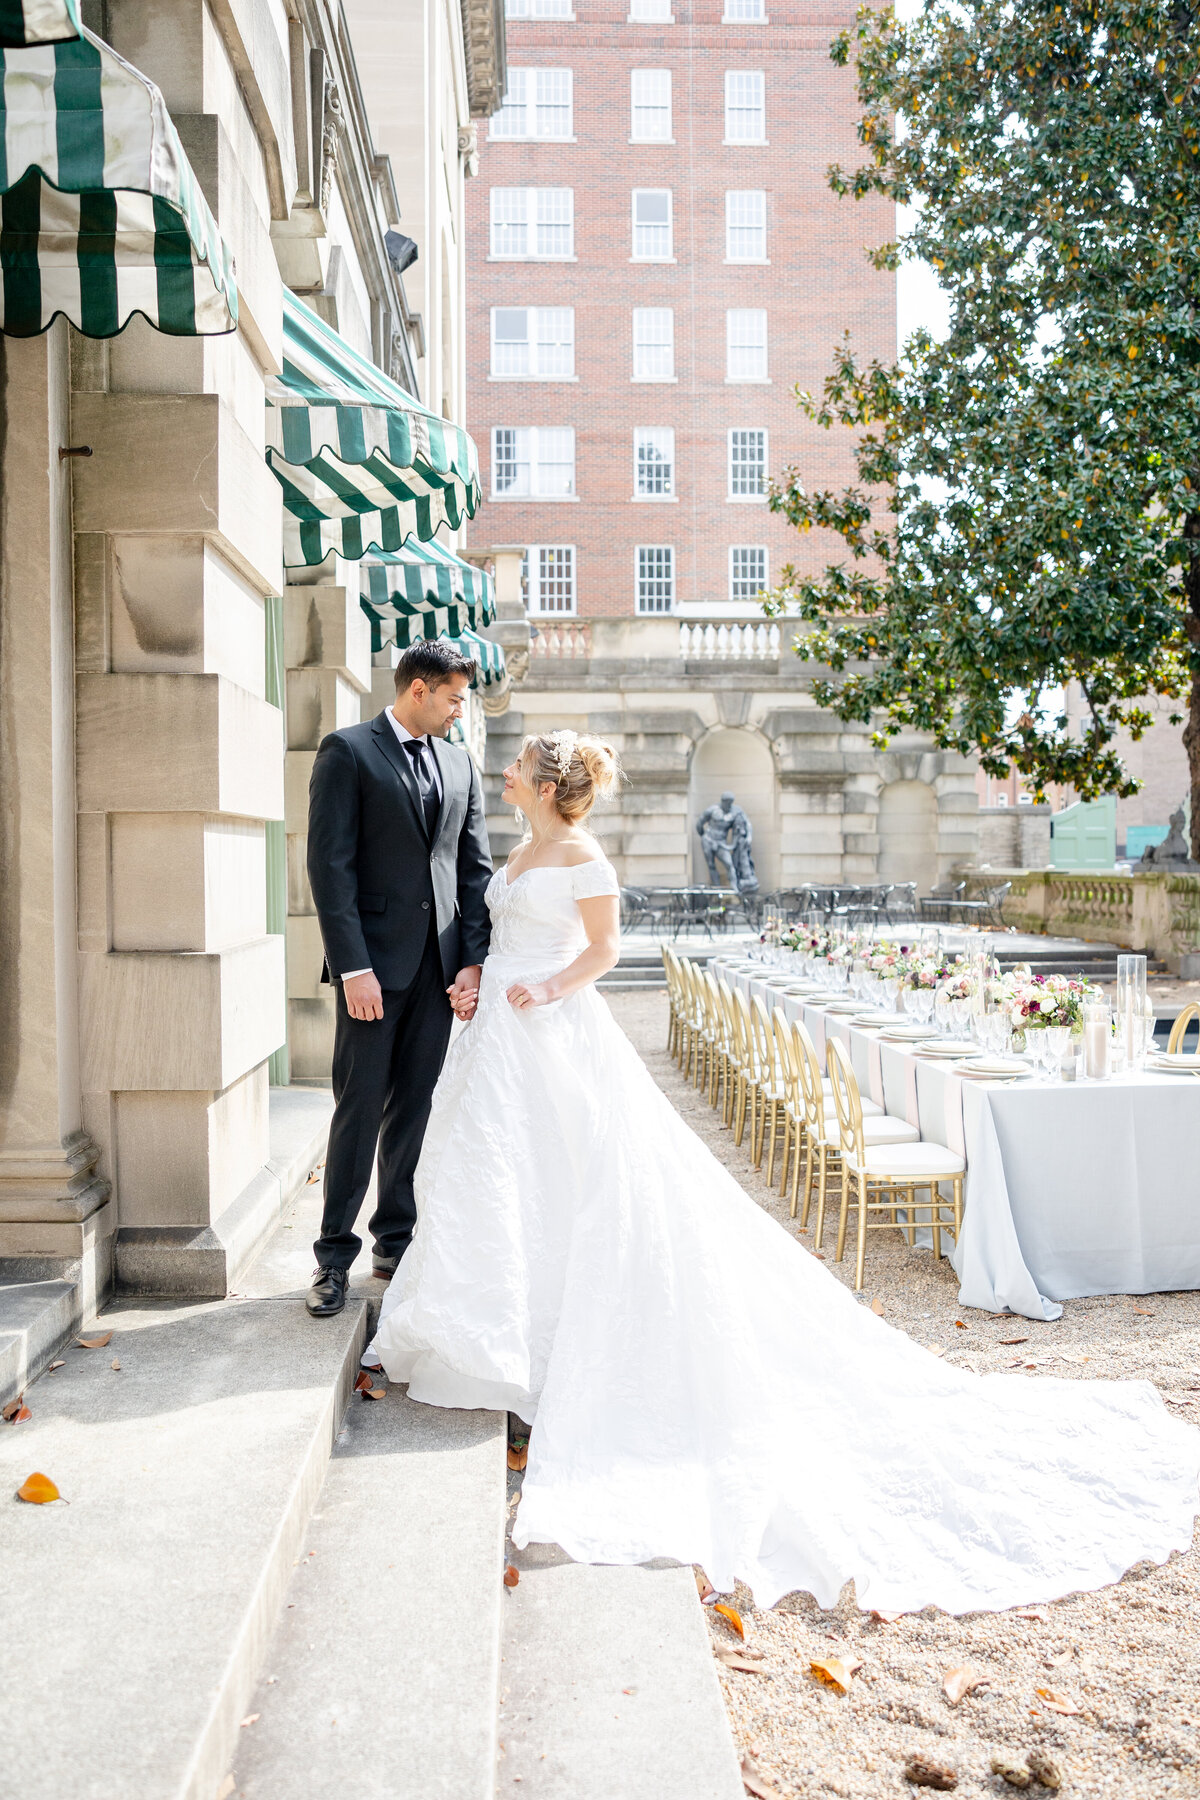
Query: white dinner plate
{"x": 906, "y": 1033}
{"x": 876, "y": 1021}
{"x": 980, "y": 1070}
{"x": 950, "y": 1047}
{"x": 1165, "y": 1064}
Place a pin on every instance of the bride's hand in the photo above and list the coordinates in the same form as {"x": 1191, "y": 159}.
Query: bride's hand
{"x": 526, "y": 994}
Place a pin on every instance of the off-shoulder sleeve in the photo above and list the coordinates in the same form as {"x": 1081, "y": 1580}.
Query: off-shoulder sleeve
{"x": 592, "y": 879}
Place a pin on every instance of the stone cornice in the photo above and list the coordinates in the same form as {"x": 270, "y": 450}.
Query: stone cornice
{"x": 483, "y": 41}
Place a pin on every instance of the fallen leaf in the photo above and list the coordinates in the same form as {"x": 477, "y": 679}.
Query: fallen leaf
{"x": 885, "y": 1618}
{"x": 877, "y": 1307}
{"x": 38, "y": 1490}
{"x": 363, "y": 1382}
{"x": 957, "y": 1682}
{"x": 704, "y": 1587}
{"x": 922, "y": 1771}
{"x": 1031, "y": 1612}
{"x": 9, "y": 1413}
{"x": 55, "y": 1365}
{"x": 373, "y": 1393}
{"x": 1024, "y": 1340}
{"x": 835, "y": 1673}
{"x": 756, "y": 1783}
{"x": 96, "y": 1343}
{"x": 226, "y": 1788}
{"x": 251, "y": 1719}
{"x": 935, "y": 1349}
{"x": 1064, "y": 1656}
{"x": 1043, "y": 1769}
{"x": 1057, "y": 1702}
{"x": 1143, "y": 1311}
{"x": 511, "y": 1576}
{"x": 1016, "y": 1774}
{"x": 959, "y": 1325}
{"x": 733, "y": 1659}
{"x": 731, "y": 1616}
{"x": 115, "y": 1363}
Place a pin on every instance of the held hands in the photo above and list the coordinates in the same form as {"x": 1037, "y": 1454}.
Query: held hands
{"x": 463, "y": 993}
{"x": 524, "y": 995}
{"x": 364, "y": 997}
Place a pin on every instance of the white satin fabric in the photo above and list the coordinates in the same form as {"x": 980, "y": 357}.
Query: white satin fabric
{"x": 699, "y": 1386}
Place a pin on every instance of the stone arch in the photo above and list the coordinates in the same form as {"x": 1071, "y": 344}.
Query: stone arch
{"x": 740, "y": 761}
{"x": 908, "y": 833}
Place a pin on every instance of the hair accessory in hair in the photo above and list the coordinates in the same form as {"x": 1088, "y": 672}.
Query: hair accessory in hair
{"x": 565, "y": 744}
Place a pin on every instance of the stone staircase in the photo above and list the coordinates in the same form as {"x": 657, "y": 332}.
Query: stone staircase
{"x": 266, "y": 1586}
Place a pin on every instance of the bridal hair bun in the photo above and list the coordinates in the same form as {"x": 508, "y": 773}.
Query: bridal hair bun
{"x": 583, "y": 769}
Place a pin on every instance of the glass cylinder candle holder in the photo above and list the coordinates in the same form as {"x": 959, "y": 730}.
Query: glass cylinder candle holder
{"x": 1132, "y": 1009}
{"x": 1097, "y": 1039}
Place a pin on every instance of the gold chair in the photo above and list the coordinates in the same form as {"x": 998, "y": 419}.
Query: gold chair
{"x": 898, "y": 1167}
{"x": 771, "y": 1091}
{"x": 671, "y": 970}
{"x": 1179, "y": 1028}
{"x": 722, "y": 1089}
{"x": 745, "y": 1095}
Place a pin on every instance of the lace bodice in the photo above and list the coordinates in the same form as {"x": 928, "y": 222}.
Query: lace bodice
{"x": 537, "y": 914}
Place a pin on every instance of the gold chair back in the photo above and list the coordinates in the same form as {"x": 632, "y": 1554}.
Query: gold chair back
{"x": 808, "y": 1067}
{"x": 846, "y": 1100}
{"x": 1179, "y": 1028}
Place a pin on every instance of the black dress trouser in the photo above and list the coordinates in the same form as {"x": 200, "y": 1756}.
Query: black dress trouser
{"x": 384, "y": 1073}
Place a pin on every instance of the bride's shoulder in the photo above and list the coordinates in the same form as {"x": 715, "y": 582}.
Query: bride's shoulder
{"x": 593, "y": 876}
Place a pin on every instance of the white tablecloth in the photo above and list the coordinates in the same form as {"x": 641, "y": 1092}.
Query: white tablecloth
{"x": 1090, "y": 1187}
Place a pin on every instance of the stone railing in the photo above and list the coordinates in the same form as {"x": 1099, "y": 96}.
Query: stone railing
{"x": 560, "y": 638}
{"x": 1157, "y": 913}
{"x": 721, "y": 641}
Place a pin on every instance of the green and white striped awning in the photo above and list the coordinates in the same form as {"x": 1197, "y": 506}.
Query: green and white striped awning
{"x": 488, "y": 657}
{"x": 101, "y": 215}
{"x": 25, "y": 22}
{"x": 424, "y": 591}
{"x": 363, "y": 466}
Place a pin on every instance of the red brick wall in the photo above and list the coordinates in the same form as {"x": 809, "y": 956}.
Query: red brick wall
{"x": 818, "y": 284}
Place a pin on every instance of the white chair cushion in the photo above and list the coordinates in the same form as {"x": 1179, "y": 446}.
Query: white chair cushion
{"x": 907, "y": 1161}
{"x": 871, "y": 1108}
{"x": 878, "y": 1127}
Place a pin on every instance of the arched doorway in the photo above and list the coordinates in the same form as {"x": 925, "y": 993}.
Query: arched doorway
{"x": 908, "y": 833}
{"x": 738, "y": 762}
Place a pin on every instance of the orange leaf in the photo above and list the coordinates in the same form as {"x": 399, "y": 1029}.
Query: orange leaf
{"x": 511, "y": 1576}
{"x": 39, "y": 1490}
{"x": 364, "y": 1381}
{"x": 96, "y": 1343}
{"x": 959, "y": 1326}
{"x": 704, "y": 1586}
{"x": 957, "y": 1682}
{"x": 732, "y": 1619}
{"x": 1023, "y": 1340}
{"x": 9, "y": 1413}
{"x": 1146, "y": 1314}
{"x": 835, "y": 1673}
{"x": 374, "y": 1393}
{"x": 877, "y": 1307}
{"x": 1056, "y": 1702}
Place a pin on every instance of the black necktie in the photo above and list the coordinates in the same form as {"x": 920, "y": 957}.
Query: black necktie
{"x": 426, "y": 785}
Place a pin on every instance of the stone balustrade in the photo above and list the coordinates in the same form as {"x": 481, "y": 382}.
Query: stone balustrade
{"x": 723, "y": 640}
{"x": 561, "y": 638}
{"x": 1154, "y": 912}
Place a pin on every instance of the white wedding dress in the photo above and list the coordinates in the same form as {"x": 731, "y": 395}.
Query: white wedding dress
{"x": 698, "y": 1385}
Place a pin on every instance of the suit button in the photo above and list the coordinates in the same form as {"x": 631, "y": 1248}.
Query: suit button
{"x": 424, "y": 906}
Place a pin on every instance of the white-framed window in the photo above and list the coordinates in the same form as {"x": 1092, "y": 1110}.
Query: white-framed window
{"x": 745, "y": 107}
{"x": 654, "y": 462}
{"x": 743, "y": 12}
{"x": 655, "y": 578}
{"x": 541, "y": 9}
{"x": 650, "y": 106}
{"x": 747, "y": 571}
{"x": 746, "y": 343}
{"x": 533, "y": 223}
{"x": 537, "y": 104}
{"x": 650, "y": 12}
{"x": 533, "y": 342}
{"x": 746, "y": 225}
{"x": 653, "y": 343}
{"x": 747, "y": 465}
{"x": 535, "y": 462}
{"x": 652, "y": 234}
{"x": 548, "y": 578}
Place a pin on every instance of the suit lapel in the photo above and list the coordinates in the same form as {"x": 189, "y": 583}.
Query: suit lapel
{"x": 447, "y": 768}
{"x": 389, "y": 743}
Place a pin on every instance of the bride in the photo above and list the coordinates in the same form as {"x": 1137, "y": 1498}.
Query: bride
{"x": 697, "y": 1385}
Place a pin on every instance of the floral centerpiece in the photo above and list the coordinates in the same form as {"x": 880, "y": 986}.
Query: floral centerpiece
{"x": 1041, "y": 1002}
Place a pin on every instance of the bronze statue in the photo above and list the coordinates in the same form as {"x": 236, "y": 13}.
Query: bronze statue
{"x": 726, "y": 835}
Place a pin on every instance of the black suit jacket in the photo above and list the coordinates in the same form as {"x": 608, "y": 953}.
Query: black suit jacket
{"x": 375, "y": 875}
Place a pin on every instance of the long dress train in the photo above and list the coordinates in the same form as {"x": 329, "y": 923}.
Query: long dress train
{"x": 698, "y": 1385}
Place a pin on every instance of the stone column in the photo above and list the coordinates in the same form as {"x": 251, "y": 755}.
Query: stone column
{"x": 54, "y": 1220}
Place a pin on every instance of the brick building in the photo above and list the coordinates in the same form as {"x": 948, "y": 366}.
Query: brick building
{"x": 655, "y": 260}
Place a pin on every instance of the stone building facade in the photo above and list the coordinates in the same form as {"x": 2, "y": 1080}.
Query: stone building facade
{"x": 657, "y": 260}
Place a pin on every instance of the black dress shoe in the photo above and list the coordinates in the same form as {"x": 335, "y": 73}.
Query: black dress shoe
{"x": 327, "y": 1295}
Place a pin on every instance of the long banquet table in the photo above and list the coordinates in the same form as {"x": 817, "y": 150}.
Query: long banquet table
{"x": 1073, "y": 1188}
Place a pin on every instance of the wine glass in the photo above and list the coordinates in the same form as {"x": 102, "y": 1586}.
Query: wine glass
{"x": 1058, "y": 1041}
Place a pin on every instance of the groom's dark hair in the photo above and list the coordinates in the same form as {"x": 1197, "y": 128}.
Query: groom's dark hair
{"x": 432, "y": 661}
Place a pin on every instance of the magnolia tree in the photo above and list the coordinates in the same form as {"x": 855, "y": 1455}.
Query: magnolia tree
{"x": 1027, "y": 510}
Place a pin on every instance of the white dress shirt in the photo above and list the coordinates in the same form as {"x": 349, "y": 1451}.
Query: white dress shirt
{"x": 408, "y": 737}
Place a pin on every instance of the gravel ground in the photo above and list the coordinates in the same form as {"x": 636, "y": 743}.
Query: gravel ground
{"x": 1127, "y": 1658}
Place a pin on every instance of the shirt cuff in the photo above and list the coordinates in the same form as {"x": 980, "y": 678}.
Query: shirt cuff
{"x": 349, "y": 974}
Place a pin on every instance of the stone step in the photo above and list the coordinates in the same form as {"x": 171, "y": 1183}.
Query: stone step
{"x": 608, "y": 1687}
{"x": 381, "y": 1678}
{"x": 36, "y": 1318}
{"x": 147, "y": 1602}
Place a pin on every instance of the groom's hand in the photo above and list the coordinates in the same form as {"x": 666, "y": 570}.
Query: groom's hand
{"x": 364, "y": 996}
{"x": 464, "y": 991}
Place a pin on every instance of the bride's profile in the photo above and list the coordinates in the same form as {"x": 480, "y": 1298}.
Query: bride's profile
{"x": 695, "y": 1384}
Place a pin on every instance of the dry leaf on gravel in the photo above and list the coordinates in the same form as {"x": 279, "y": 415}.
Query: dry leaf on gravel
{"x": 1016, "y": 1774}
{"x": 877, "y": 1307}
{"x": 1144, "y": 1311}
{"x": 1034, "y": 1613}
{"x": 957, "y": 1682}
{"x": 704, "y": 1587}
{"x": 731, "y": 1617}
{"x": 16, "y": 1411}
{"x": 736, "y": 1659}
{"x": 56, "y": 1365}
{"x": 935, "y": 1349}
{"x": 961, "y": 1325}
{"x": 363, "y": 1381}
{"x": 511, "y": 1576}
{"x": 1058, "y": 1703}
{"x": 885, "y": 1618}
{"x": 922, "y": 1771}
{"x": 373, "y": 1393}
{"x": 1063, "y": 1657}
{"x": 38, "y": 1490}
{"x": 1044, "y": 1769}
{"x": 756, "y": 1783}
{"x": 1010, "y": 1341}
{"x": 834, "y": 1673}
{"x": 95, "y": 1343}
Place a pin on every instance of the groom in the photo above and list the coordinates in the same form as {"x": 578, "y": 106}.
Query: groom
{"x": 398, "y": 862}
